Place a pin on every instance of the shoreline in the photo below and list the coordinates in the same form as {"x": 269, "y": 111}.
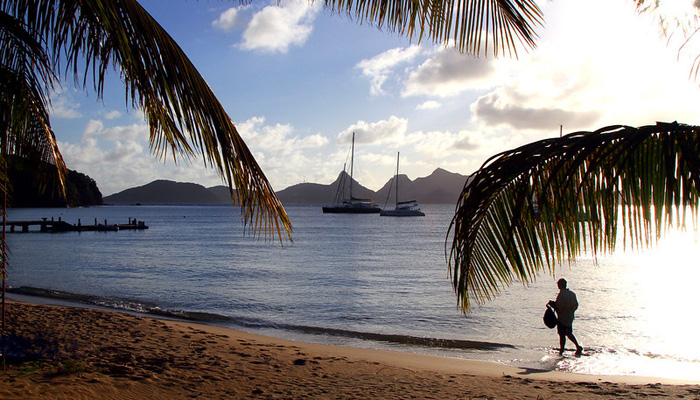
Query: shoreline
{"x": 170, "y": 316}
{"x": 128, "y": 355}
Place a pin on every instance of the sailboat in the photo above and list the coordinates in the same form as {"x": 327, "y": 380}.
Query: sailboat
{"x": 352, "y": 205}
{"x": 403, "y": 208}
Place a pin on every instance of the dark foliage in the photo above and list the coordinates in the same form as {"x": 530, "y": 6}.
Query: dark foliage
{"x": 26, "y": 191}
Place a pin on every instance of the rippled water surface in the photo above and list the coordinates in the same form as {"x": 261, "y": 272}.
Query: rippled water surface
{"x": 365, "y": 280}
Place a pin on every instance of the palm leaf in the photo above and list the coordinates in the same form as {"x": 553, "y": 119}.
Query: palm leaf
{"x": 528, "y": 209}
{"x": 184, "y": 115}
{"x": 470, "y": 24}
{"x": 25, "y": 76}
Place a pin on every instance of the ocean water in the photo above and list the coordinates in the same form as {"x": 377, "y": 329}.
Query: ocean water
{"x": 368, "y": 281}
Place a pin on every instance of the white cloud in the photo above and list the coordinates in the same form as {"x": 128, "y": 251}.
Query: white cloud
{"x": 117, "y": 157}
{"x": 114, "y": 114}
{"x": 124, "y": 151}
{"x": 229, "y": 20}
{"x": 380, "y": 67}
{"x": 429, "y": 105}
{"x": 134, "y": 132}
{"x": 64, "y": 106}
{"x": 374, "y": 132}
{"x": 285, "y": 157}
{"x": 276, "y": 138}
{"x": 276, "y": 28}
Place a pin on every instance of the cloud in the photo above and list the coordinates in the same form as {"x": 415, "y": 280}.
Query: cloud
{"x": 286, "y": 157}
{"x": 117, "y": 157}
{"x": 64, "y": 106}
{"x": 492, "y": 110}
{"x": 584, "y": 82}
{"x": 112, "y": 114}
{"x": 449, "y": 73}
{"x": 276, "y": 28}
{"x": 134, "y": 132}
{"x": 466, "y": 143}
{"x": 429, "y": 105}
{"x": 230, "y": 19}
{"x": 276, "y": 138}
{"x": 374, "y": 132}
{"x": 380, "y": 67}
{"x": 439, "y": 145}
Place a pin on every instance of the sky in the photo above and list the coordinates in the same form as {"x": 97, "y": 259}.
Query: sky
{"x": 297, "y": 80}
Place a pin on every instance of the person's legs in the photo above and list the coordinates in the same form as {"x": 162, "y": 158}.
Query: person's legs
{"x": 562, "y": 343}
{"x": 579, "y": 349}
{"x": 567, "y": 332}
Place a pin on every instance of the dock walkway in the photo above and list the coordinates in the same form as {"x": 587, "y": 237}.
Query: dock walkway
{"x": 46, "y": 225}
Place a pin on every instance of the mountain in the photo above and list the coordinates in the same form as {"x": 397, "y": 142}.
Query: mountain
{"x": 164, "y": 191}
{"x": 440, "y": 187}
{"x": 222, "y": 193}
{"x": 316, "y": 193}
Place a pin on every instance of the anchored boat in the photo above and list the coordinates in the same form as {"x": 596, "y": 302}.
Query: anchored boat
{"x": 407, "y": 208}
{"x": 351, "y": 205}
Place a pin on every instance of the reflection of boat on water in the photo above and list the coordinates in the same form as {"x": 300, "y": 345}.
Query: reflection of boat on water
{"x": 403, "y": 208}
{"x": 351, "y": 205}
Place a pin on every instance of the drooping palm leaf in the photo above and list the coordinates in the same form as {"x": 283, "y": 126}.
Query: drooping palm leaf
{"x": 527, "y": 209}
{"x": 184, "y": 115}
{"x": 25, "y": 76}
{"x": 469, "y": 23}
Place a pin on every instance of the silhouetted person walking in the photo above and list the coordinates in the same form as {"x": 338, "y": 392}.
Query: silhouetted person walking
{"x": 565, "y": 305}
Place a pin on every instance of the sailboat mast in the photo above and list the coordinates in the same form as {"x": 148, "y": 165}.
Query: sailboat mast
{"x": 352, "y": 159}
{"x": 397, "y": 178}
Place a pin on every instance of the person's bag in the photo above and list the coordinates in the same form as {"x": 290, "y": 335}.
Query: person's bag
{"x": 550, "y": 318}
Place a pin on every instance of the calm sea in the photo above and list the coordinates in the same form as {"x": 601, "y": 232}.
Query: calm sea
{"x": 367, "y": 281}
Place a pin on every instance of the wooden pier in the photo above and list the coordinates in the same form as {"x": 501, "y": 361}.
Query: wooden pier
{"x": 46, "y": 225}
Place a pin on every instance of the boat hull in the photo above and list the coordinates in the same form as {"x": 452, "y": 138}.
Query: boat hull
{"x": 351, "y": 210}
{"x": 402, "y": 213}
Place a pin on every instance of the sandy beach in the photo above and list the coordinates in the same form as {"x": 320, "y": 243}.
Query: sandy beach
{"x": 79, "y": 353}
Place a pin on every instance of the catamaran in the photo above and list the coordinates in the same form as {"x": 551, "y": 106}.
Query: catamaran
{"x": 403, "y": 208}
{"x": 351, "y": 205}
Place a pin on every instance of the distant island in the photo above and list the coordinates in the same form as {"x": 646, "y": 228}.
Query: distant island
{"x": 440, "y": 187}
{"x": 170, "y": 192}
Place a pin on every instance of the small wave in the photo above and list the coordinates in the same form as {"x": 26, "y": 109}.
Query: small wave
{"x": 204, "y": 317}
{"x": 401, "y": 339}
{"x": 118, "y": 303}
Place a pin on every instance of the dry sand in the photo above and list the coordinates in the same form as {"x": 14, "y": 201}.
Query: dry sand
{"x": 92, "y": 354}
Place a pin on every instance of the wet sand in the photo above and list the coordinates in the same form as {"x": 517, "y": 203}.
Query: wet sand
{"x": 79, "y": 353}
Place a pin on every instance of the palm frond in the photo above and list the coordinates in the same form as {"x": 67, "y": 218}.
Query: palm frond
{"x": 527, "y": 209}
{"x": 184, "y": 115}
{"x": 502, "y": 24}
{"x": 25, "y": 76}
